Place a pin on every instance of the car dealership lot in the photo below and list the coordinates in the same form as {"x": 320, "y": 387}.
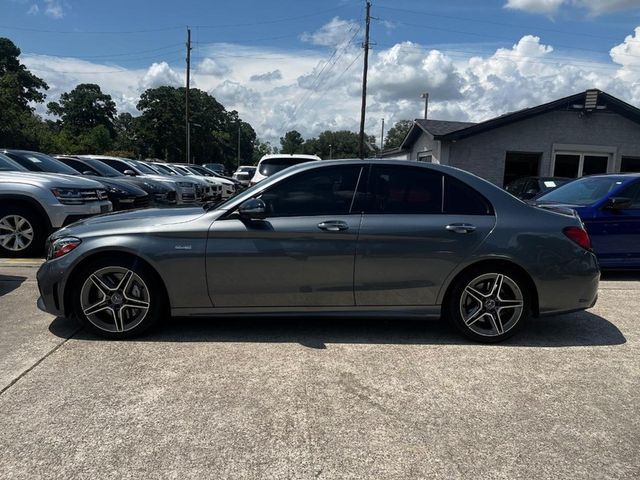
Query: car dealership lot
{"x": 319, "y": 398}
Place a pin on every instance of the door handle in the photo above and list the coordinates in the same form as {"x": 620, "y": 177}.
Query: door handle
{"x": 461, "y": 227}
{"x": 333, "y": 226}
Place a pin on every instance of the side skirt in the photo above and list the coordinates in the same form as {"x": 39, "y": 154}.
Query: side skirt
{"x": 432, "y": 311}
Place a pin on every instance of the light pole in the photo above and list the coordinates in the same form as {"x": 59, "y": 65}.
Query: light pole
{"x": 330, "y": 151}
{"x": 189, "y": 137}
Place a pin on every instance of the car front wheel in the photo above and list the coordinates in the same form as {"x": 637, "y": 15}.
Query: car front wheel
{"x": 22, "y": 233}
{"x": 118, "y": 299}
{"x": 489, "y": 305}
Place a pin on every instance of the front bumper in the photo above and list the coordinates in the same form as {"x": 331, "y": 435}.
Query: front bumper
{"x": 50, "y": 278}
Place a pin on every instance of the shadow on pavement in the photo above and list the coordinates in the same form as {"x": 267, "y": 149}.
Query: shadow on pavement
{"x": 620, "y": 275}
{"x": 8, "y": 283}
{"x": 573, "y": 330}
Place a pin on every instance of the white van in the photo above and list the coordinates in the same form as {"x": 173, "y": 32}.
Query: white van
{"x": 270, "y": 164}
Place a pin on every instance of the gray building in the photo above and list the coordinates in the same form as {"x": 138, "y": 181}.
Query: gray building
{"x": 587, "y": 133}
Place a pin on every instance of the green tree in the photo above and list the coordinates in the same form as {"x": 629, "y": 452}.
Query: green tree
{"x": 84, "y": 108}
{"x": 19, "y": 127}
{"x": 340, "y": 144}
{"x": 260, "y": 149}
{"x": 397, "y": 133}
{"x": 291, "y": 142}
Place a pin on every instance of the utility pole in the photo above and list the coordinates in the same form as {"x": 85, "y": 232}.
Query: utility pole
{"x": 239, "y": 124}
{"x": 382, "y": 138}
{"x": 186, "y": 98}
{"x": 363, "y": 108}
{"x": 425, "y": 95}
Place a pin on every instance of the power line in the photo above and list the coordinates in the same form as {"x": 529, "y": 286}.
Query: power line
{"x": 493, "y": 22}
{"x": 120, "y": 54}
{"x": 482, "y": 35}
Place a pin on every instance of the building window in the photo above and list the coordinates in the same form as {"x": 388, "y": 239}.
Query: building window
{"x": 573, "y": 165}
{"x": 521, "y": 164}
{"x": 425, "y": 157}
{"x": 630, "y": 164}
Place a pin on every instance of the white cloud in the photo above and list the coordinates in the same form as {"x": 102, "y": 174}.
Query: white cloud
{"x": 54, "y": 9}
{"x": 209, "y": 66}
{"x": 267, "y": 76}
{"x": 333, "y": 34}
{"x": 475, "y": 88}
{"x": 594, "y": 7}
{"x": 160, "y": 74}
{"x": 535, "y": 6}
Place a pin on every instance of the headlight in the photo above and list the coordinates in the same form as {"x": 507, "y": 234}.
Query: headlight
{"x": 62, "y": 246}
{"x": 69, "y": 196}
{"x": 112, "y": 189}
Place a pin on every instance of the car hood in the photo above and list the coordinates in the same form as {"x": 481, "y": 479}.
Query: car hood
{"x": 130, "y": 188}
{"x": 134, "y": 221}
{"x": 49, "y": 180}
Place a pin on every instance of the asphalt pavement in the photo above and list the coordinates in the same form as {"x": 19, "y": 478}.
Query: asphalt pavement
{"x": 327, "y": 399}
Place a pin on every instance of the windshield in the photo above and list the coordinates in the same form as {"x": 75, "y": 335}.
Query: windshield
{"x": 584, "y": 191}
{"x": 198, "y": 170}
{"x": 8, "y": 165}
{"x": 39, "y": 162}
{"x": 102, "y": 168}
{"x": 273, "y": 165}
{"x": 162, "y": 169}
{"x": 143, "y": 168}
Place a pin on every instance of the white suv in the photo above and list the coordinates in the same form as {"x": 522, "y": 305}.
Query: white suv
{"x": 270, "y": 164}
{"x": 34, "y": 204}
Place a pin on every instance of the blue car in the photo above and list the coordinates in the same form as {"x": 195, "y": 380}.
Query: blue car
{"x": 609, "y": 206}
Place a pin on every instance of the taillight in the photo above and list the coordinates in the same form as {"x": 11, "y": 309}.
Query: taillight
{"x": 578, "y": 235}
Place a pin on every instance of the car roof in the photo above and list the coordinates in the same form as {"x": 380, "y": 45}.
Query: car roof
{"x": 289, "y": 155}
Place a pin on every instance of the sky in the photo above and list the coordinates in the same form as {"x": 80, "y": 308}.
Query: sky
{"x": 298, "y": 64}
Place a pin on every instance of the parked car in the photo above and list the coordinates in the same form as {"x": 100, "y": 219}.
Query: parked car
{"x": 160, "y": 193}
{"x": 216, "y": 167}
{"x": 270, "y": 164}
{"x": 609, "y": 206}
{"x": 204, "y": 191}
{"x": 528, "y": 188}
{"x": 186, "y": 190}
{"x": 122, "y": 195}
{"x": 32, "y": 205}
{"x": 228, "y": 186}
{"x": 244, "y": 174}
{"x": 348, "y": 237}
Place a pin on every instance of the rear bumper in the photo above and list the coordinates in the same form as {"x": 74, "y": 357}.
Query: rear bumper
{"x": 569, "y": 288}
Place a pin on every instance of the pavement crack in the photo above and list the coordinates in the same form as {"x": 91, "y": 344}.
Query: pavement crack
{"x": 42, "y": 359}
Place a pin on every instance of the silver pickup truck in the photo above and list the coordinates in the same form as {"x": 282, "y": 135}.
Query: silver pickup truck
{"x": 32, "y": 205}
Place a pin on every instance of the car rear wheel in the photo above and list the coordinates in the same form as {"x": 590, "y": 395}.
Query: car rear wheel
{"x": 118, "y": 298}
{"x": 22, "y": 233}
{"x": 489, "y": 305}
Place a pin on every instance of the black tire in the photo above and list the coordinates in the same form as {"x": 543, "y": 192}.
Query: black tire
{"x": 38, "y": 227}
{"x": 85, "y": 292}
{"x": 485, "y": 325}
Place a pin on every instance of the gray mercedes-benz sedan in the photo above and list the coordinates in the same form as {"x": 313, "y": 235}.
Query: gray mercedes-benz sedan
{"x": 346, "y": 237}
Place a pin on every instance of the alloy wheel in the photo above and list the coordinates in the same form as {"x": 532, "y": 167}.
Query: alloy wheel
{"x": 491, "y": 304}
{"x": 16, "y": 233}
{"x": 115, "y": 299}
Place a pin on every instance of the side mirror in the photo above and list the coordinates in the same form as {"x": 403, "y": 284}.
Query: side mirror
{"x": 130, "y": 173}
{"x": 618, "y": 203}
{"x": 253, "y": 209}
